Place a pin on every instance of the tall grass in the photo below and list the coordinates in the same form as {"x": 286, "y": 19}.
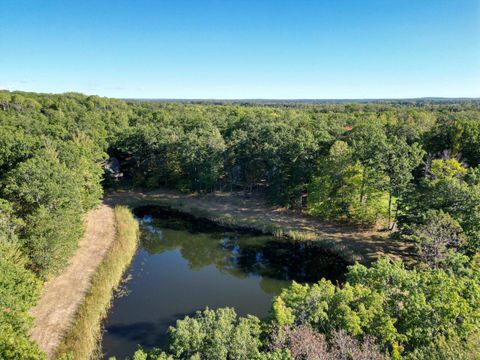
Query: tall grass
{"x": 82, "y": 340}
{"x": 265, "y": 226}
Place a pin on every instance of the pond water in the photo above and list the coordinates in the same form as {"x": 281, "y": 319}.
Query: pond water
{"x": 184, "y": 265}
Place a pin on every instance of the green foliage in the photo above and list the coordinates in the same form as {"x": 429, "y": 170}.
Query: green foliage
{"x": 414, "y": 164}
{"x": 154, "y": 149}
{"x": 47, "y": 195}
{"x": 458, "y": 133}
{"x": 412, "y": 314}
{"x": 16, "y": 345}
{"x": 51, "y": 153}
{"x": 211, "y": 334}
{"x": 342, "y": 193}
{"x": 413, "y": 310}
{"x": 215, "y": 334}
{"x": 447, "y": 169}
{"x": 51, "y": 238}
{"x": 140, "y": 354}
{"x": 446, "y": 190}
{"x": 9, "y": 224}
{"x": 437, "y": 238}
{"x": 82, "y": 339}
{"x": 401, "y": 159}
{"x": 19, "y": 290}
{"x": 84, "y": 159}
{"x": 201, "y": 151}
{"x": 42, "y": 180}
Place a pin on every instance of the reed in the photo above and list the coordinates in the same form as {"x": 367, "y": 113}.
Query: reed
{"x": 83, "y": 338}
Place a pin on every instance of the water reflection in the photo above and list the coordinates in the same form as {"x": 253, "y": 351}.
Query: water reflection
{"x": 184, "y": 265}
{"x": 238, "y": 254}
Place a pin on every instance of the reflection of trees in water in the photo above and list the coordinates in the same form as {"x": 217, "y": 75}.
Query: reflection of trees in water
{"x": 288, "y": 260}
{"x": 242, "y": 255}
{"x": 273, "y": 286}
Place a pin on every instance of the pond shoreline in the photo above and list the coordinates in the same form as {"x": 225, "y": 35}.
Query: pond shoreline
{"x": 185, "y": 264}
{"x": 232, "y": 211}
{"x": 226, "y": 210}
{"x": 190, "y": 217}
{"x": 82, "y": 339}
{"x": 63, "y": 294}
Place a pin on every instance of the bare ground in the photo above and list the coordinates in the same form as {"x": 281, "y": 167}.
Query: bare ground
{"x": 63, "y": 294}
{"x": 350, "y": 242}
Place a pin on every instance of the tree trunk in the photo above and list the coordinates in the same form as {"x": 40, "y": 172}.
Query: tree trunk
{"x": 389, "y": 209}
{"x": 362, "y": 190}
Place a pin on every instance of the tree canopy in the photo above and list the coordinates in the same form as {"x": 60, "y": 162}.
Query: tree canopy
{"x": 411, "y": 168}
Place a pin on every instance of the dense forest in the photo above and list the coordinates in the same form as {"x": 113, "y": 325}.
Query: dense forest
{"x": 410, "y": 168}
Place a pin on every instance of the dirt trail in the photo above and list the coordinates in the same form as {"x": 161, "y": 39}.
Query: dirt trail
{"x": 350, "y": 242}
{"x": 63, "y": 294}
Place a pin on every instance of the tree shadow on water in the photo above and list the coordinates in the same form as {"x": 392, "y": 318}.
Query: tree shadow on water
{"x": 290, "y": 260}
{"x": 148, "y": 334}
{"x": 239, "y": 254}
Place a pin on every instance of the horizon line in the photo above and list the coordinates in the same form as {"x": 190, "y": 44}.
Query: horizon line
{"x": 252, "y": 98}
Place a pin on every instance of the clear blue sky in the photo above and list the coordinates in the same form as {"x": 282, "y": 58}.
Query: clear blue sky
{"x": 242, "y": 49}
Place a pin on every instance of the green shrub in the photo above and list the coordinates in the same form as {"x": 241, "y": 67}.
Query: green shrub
{"x": 211, "y": 334}
{"x": 413, "y": 310}
{"x": 19, "y": 291}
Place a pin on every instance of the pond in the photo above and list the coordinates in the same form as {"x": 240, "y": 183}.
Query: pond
{"x": 184, "y": 265}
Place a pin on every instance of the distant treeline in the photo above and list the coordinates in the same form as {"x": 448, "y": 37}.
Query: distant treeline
{"x": 411, "y": 166}
{"x": 419, "y": 102}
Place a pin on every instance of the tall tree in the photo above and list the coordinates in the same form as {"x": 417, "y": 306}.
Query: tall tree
{"x": 401, "y": 159}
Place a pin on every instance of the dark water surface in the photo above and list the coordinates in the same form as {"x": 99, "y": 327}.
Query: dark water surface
{"x": 184, "y": 265}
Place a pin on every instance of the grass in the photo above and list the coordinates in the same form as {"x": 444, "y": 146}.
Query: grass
{"x": 302, "y": 235}
{"x": 82, "y": 340}
{"x": 346, "y": 245}
{"x": 200, "y": 212}
{"x": 261, "y": 225}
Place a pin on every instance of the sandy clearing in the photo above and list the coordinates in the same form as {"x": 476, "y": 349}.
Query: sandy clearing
{"x": 63, "y": 294}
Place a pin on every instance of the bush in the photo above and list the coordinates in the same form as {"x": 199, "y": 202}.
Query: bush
{"x": 438, "y": 238}
{"x": 215, "y": 334}
{"x": 19, "y": 291}
{"x": 409, "y": 310}
{"x": 51, "y": 238}
{"x": 303, "y": 342}
{"x": 211, "y": 334}
{"x": 47, "y": 197}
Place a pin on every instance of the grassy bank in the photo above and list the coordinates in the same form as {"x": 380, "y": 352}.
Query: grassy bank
{"x": 198, "y": 210}
{"x": 350, "y": 245}
{"x": 81, "y": 341}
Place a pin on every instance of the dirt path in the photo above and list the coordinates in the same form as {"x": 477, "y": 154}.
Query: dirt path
{"x": 62, "y": 295}
{"x": 350, "y": 242}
